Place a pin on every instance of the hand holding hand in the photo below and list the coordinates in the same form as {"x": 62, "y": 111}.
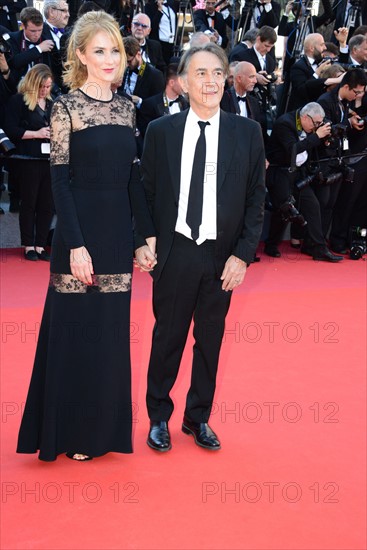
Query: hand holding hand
{"x": 145, "y": 256}
{"x": 81, "y": 265}
{"x": 233, "y": 273}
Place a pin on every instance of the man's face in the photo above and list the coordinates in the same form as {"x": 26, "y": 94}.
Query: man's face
{"x": 204, "y": 81}
{"x": 263, "y": 47}
{"x": 140, "y": 27}
{"x": 133, "y": 62}
{"x": 360, "y": 53}
{"x": 319, "y": 48}
{"x": 209, "y": 6}
{"x": 33, "y": 32}
{"x": 246, "y": 79}
{"x": 176, "y": 86}
{"x": 311, "y": 123}
{"x": 59, "y": 15}
{"x": 350, "y": 94}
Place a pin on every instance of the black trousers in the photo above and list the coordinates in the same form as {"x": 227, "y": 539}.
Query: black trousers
{"x": 167, "y": 51}
{"x": 351, "y": 206}
{"x": 189, "y": 288}
{"x": 36, "y": 207}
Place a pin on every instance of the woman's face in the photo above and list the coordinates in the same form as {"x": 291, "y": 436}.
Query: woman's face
{"x": 101, "y": 58}
{"x": 45, "y": 88}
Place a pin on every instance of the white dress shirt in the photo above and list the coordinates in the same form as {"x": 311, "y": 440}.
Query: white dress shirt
{"x": 208, "y": 228}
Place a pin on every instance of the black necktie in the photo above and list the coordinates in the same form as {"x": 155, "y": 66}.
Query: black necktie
{"x": 195, "y": 204}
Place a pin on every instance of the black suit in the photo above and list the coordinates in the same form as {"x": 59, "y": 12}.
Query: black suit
{"x": 202, "y": 25}
{"x": 269, "y": 18}
{"x": 305, "y": 87}
{"x": 151, "y": 9}
{"x": 8, "y": 18}
{"x": 250, "y": 56}
{"x": 54, "y": 58}
{"x": 153, "y": 108}
{"x": 339, "y": 15}
{"x": 150, "y": 83}
{"x": 284, "y": 140}
{"x": 230, "y": 104}
{"x": 153, "y": 50}
{"x": 21, "y": 56}
{"x": 237, "y": 53}
{"x": 187, "y": 276}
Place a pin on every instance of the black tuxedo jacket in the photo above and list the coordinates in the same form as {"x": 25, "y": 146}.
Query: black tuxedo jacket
{"x": 330, "y": 103}
{"x": 270, "y": 18}
{"x": 155, "y": 15}
{"x": 240, "y": 185}
{"x": 201, "y": 24}
{"x": 284, "y": 137}
{"x": 19, "y": 59}
{"x": 305, "y": 87}
{"x": 8, "y": 18}
{"x": 154, "y": 52}
{"x": 230, "y": 104}
{"x": 339, "y": 14}
{"x": 149, "y": 84}
{"x": 237, "y": 53}
{"x": 250, "y": 56}
{"x": 153, "y": 108}
{"x": 54, "y": 58}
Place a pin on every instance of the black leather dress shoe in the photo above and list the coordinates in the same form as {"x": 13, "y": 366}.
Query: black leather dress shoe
{"x": 272, "y": 250}
{"x": 324, "y": 255}
{"x": 158, "y": 437}
{"x": 203, "y": 434}
{"x": 45, "y": 256}
{"x": 31, "y": 255}
{"x": 340, "y": 249}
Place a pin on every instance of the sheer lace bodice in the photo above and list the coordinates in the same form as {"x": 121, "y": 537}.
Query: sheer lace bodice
{"x": 76, "y": 111}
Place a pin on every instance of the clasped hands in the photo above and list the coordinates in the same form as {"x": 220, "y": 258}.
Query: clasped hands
{"x": 145, "y": 256}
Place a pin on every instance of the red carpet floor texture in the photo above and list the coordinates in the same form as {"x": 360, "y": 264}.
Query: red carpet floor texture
{"x": 290, "y": 410}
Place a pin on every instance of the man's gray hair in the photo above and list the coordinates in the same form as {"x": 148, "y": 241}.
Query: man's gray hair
{"x": 312, "y": 109}
{"x": 251, "y": 35}
{"x": 47, "y": 5}
{"x": 356, "y": 41}
{"x": 210, "y": 48}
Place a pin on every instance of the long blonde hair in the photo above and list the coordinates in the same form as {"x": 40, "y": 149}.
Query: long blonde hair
{"x": 30, "y": 85}
{"x": 85, "y": 28}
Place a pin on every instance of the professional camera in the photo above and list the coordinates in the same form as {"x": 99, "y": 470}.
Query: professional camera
{"x": 358, "y": 245}
{"x": 4, "y": 46}
{"x": 329, "y": 58}
{"x": 272, "y": 77}
{"x": 300, "y": 184}
{"x": 289, "y": 213}
{"x": 337, "y": 133}
{"x": 5, "y": 144}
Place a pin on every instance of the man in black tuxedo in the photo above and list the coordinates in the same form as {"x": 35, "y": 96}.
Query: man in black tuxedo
{"x": 211, "y": 22}
{"x": 264, "y": 64}
{"x": 265, "y": 13}
{"x": 355, "y": 53}
{"x": 169, "y": 102}
{"x": 341, "y": 16}
{"x": 57, "y": 15}
{"x": 237, "y": 98}
{"x": 163, "y": 17}
{"x": 294, "y": 142}
{"x": 27, "y": 46}
{"x": 248, "y": 41}
{"x": 306, "y": 84}
{"x": 338, "y": 106}
{"x": 206, "y": 236}
{"x": 151, "y": 49}
{"x": 141, "y": 80}
{"x": 8, "y": 13}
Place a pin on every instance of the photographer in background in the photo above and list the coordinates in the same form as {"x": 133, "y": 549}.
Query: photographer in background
{"x": 351, "y": 205}
{"x": 212, "y": 23}
{"x": 294, "y": 142}
{"x": 336, "y": 105}
{"x": 8, "y": 13}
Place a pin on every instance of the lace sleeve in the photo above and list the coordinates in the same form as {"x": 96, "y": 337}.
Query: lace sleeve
{"x": 60, "y": 127}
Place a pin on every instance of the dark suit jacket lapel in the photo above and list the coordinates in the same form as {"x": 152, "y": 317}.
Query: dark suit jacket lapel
{"x": 174, "y": 149}
{"x": 227, "y": 128}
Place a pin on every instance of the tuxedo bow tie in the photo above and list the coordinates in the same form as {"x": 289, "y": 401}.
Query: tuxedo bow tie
{"x": 239, "y": 98}
{"x": 57, "y": 30}
{"x": 212, "y": 15}
{"x": 177, "y": 100}
{"x": 135, "y": 71}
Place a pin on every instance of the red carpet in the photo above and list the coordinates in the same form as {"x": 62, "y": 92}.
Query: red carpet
{"x": 290, "y": 412}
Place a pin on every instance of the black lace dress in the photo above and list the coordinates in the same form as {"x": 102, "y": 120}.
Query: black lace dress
{"x": 79, "y": 398}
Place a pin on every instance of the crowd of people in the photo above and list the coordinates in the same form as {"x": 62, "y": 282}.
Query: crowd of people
{"x": 145, "y": 156}
{"x": 312, "y": 71}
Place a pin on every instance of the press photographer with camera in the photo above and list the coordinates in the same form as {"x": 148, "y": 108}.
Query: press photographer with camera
{"x": 294, "y": 142}
{"x": 336, "y": 105}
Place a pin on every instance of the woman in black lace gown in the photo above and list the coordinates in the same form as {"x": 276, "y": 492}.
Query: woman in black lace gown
{"x": 79, "y": 400}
